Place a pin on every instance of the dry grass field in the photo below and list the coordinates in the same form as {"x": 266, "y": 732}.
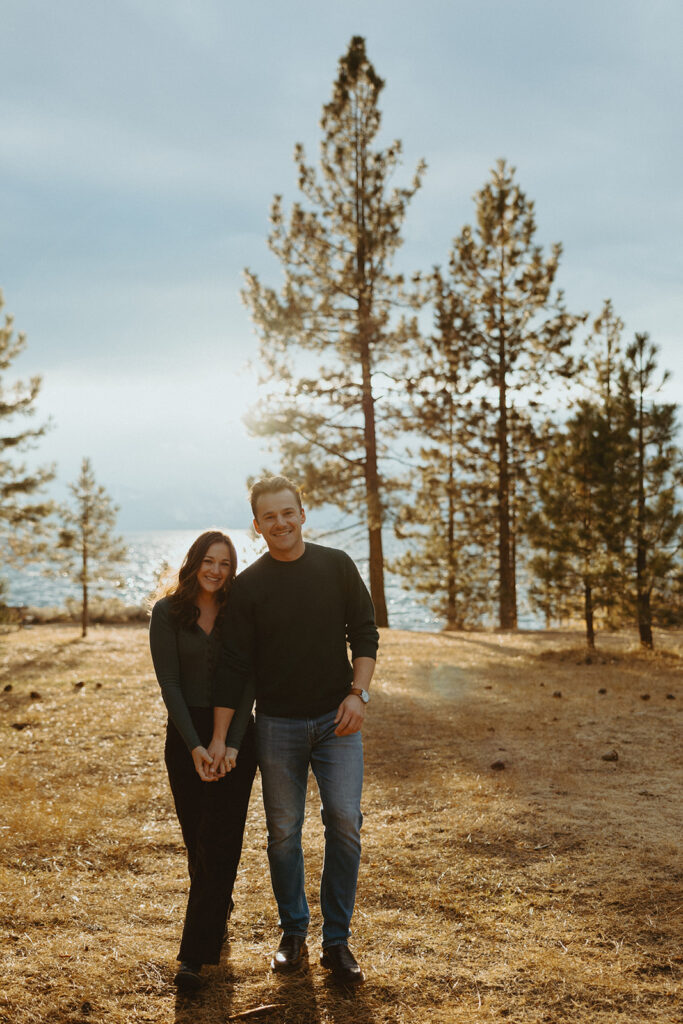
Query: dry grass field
{"x": 547, "y": 889}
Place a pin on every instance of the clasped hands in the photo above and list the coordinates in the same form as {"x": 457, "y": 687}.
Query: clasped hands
{"x": 213, "y": 763}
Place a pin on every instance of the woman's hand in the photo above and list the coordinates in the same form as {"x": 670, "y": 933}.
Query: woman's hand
{"x": 217, "y": 754}
{"x": 230, "y": 758}
{"x": 203, "y": 762}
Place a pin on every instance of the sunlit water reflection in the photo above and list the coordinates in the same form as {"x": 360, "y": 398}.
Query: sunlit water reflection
{"x": 148, "y": 549}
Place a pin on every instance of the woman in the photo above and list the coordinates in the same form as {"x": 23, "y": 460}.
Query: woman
{"x": 211, "y": 802}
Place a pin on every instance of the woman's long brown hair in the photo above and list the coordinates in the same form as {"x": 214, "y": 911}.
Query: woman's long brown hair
{"x": 183, "y": 594}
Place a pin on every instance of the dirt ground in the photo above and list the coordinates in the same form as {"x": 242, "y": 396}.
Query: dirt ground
{"x": 522, "y": 840}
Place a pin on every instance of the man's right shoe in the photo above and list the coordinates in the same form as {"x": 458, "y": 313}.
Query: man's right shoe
{"x": 290, "y": 953}
{"x": 341, "y": 961}
{"x": 188, "y": 977}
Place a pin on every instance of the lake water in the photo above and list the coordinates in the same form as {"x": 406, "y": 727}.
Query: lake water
{"x": 148, "y": 549}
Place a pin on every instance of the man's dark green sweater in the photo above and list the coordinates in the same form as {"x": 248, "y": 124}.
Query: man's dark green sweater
{"x": 287, "y": 629}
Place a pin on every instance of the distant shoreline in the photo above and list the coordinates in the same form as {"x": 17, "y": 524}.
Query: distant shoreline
{"x": 148, "y": 549}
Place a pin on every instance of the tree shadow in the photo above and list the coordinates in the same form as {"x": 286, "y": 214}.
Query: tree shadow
{"x": 466, "y": 638}
{"x": 45, "y": 661}
{"x": 540, "y": 754}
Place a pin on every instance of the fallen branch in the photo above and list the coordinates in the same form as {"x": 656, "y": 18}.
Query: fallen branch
{"x": 256, "y": 1010}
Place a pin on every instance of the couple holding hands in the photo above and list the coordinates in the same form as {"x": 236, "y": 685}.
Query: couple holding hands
{"x": 276, "y": 634}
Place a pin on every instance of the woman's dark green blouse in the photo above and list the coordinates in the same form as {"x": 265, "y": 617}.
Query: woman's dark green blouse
{"x": 185, "y": 663}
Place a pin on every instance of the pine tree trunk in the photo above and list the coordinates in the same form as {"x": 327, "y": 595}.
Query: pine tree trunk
{"x": 84, "y": 605}
{"x": 377, "y": 577}
{"x": 643, "y": 610}
{"x": 506, "y": 584}
{"x": 645, "y": 619}
{"x": 451, "y": 609}
{"x": 372, "y": 495}
{"x": 372, "y": 490}
{"x": 588, "y": 615}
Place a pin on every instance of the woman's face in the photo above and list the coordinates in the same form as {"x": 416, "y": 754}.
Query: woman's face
{"x": 215, "y": 568}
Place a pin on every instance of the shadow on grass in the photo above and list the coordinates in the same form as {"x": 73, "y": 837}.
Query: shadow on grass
{"x": 547, "y": 748}
{"x": 291, "y": 999}
{"x": 45, "y": 661}
{"x": 467, "y": 638}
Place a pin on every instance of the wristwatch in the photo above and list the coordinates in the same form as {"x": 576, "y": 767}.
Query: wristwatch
{"x": 363, "y": 694}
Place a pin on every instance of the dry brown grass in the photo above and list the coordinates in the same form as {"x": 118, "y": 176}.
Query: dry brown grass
{"x": 546, "y": 891}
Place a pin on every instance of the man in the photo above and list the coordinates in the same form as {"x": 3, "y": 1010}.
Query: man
{"x": 291, "y": 614}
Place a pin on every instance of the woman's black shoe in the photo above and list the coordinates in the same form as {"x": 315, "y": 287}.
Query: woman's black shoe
{"x": 226, "y": 933}
{"x": 188, "y": 977}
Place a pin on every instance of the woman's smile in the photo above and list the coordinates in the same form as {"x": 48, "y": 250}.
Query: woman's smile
{"x": 215, "y": 568}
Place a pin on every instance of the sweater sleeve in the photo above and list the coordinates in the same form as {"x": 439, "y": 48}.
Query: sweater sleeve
{"x": 240, "y": 720}
{"x": 235, "y": 675}
{"x": 163, "y": 644}
{"x": 361, "y": 631}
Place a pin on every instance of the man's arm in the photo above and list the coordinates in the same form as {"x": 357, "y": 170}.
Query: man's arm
{"x": 361, "y": 631}
{"x": 233, "y": 685}
{"x": 222, "y": 717}
{"x": 351, "y": 711}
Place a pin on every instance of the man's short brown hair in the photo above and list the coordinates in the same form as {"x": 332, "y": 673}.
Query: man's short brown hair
{"x": 271, "y": 485}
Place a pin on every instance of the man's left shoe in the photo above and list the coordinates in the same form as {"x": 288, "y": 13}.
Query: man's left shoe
{"x": 341, "y": 961}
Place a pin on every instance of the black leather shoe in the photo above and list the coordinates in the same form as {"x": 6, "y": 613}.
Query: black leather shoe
{"x": 341, "y": 961}
{"x": 290, "y": 953}
{"x": 188, "y": 977}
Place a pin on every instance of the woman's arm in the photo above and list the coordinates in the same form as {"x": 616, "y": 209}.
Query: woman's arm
{"x": 164, "y": 647}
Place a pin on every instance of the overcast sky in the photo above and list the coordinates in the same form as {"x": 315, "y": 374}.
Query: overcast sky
{"x": 141, "y": 142}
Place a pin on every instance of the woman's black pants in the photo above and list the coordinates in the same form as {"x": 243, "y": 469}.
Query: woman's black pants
{"x": 212, "y": 817}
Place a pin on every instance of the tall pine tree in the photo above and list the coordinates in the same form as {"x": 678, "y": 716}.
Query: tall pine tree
{"x": 445, "y": 561}
{"x": 570, "y": 524}
{"x": 90, "y": 553}
{"x": 518, "y": 333}
{"x": 582, "y": 494}
{"x": 657, "y": 522}
{"x": 329, "y": 338}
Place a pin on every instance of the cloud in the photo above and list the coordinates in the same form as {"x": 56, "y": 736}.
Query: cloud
{"x": 142, "y": 143}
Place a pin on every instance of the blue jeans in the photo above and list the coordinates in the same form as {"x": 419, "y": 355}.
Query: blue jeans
{"x": 285, "y": 749}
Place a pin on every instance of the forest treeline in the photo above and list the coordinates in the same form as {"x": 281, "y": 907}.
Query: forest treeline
{"x": 517, "y": 447}
{"x": 514, "y": 445}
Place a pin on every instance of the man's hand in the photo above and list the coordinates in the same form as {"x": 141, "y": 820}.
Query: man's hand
{"x": 202, "y": 762}
{"x": 216, "y": 752}
{"x": 230, "y": 760}
{"x": 350, "y": 715}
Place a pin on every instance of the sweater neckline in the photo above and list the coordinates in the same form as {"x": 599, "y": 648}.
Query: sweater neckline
{"x": 295, "y": 561}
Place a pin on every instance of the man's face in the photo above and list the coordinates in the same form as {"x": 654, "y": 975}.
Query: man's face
{"x": 279, "y": 520}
